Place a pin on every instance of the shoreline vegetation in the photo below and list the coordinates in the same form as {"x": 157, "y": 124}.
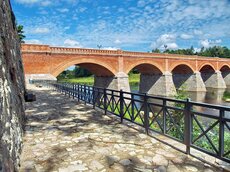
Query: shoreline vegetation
{"x": 89, "y": 80}
{"x": 226, "y": 96}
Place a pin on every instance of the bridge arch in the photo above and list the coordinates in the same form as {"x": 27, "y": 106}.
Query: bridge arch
{"x": 150, "y": 77}
{"x": 181, "y": 74}
{"x": 99, "y": 68}
{"x": 182, "y": 68}
{"x": 225, "y": 72}
{"x": 207, "y": 67}
{"x": 151, "y": 67}
{"x": 224, "y": 67}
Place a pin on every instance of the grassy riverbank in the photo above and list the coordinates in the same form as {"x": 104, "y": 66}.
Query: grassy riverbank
{"x": 226, "y": 96}
{"x": 133, "y": 80}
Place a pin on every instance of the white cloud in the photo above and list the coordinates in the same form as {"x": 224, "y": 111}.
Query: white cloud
{"x": 186, "y": 36}
{"x": 33, "y": 41}
{"x": 63, "y": 10}
{"x": 110, "y": 48}
{"x": 166, "y": 39}
{"x": 209, "y": 43}
{"x": 171, "y": 46}
{"x": 117, "y": 41}
{"x": 46, "y": 3}
{"x": 72, "y": 43}
{"x": 218, "y": 41}
{"x": 27, "y": 1}
{"x": 198, "y": 32}
{"x": 205, "y": 43}
{"x": 41, "y": 30}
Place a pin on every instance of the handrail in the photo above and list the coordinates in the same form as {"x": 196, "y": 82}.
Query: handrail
{"x": 177, "y": 119}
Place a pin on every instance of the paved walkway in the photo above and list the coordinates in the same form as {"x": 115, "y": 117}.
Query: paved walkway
{"x": 65, "y": 136}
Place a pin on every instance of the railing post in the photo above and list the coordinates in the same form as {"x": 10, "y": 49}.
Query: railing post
{"x": 122, "y": 105}
{"x": 105, "y": 98}
{"x": 146, "y": 114}
{"x": 85, "y": 93}
{"x": 73, "y": 91}
{"x": 221, "y": 133}
{"x": 69, "y": 89}
{"x": 94, "y": 100}
{"x": 164, "y": 116}
{"x": 132, "y": 107}
{"x": 78, "y": 94}
{"x": 187, "y": 125}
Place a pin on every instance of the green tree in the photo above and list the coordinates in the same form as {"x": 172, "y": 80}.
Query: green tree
{"x": 156, "y": 50}
{"x": 21, "y": 35}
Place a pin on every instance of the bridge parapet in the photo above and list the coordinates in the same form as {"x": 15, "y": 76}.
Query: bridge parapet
{"x": 35, "y": 48}
{"x": 63, "y": 50}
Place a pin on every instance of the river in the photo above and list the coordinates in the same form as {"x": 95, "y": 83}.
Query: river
{"x": 211, "y": 96}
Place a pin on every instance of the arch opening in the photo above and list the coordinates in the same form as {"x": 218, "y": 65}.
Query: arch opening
{"x": 143, "y": 77}
{"x": 207, "y": 72}
{"x": 87, "y": 73}
{"x": 225, "y": 71}
{"x": 181, "y": 75}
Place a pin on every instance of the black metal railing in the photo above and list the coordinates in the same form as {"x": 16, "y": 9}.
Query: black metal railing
{"x": 201, "y": 126}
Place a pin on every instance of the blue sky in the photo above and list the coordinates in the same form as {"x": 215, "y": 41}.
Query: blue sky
{"x": 135, "y": 25}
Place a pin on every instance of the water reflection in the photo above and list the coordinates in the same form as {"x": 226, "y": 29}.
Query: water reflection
{"x": 212, "y": 96}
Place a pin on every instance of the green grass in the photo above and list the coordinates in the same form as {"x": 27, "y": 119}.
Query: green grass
{"x": 226, "y": 96}
{"x": 81, "y": 80}
{"x": 133, "y": 80}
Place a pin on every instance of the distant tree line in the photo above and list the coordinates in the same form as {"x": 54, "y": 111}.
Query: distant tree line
{"x": 75, "y": 73}
{"x": 215, "y": 51}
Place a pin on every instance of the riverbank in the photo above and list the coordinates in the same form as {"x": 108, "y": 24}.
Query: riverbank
{"x": 134, "y": 80}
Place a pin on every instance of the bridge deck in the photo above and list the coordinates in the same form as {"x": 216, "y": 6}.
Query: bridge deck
{"x": 63, "y": 135}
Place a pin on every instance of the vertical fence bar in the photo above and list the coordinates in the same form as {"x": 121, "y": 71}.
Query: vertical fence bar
{"x": 94, "y": 98}
{"x": 187, "y": 125}
{"x": 69, "y": 89}
{"x": 122, "y": 105}
{"x": 73, "y": 90}
{"x": 85, "y": 93}
{"x": 146, "y": 114}
{"x": 78, "y": 90}
{"x": 112, "y": 101}
{"x": 164, "y": 116}
{"x": 221, "y": 133}
{"x": 104, "y": 101}
{"x": 132, "y": 107}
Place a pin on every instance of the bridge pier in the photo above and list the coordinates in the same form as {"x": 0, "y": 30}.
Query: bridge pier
{"x": 118, "y": 82}
{"x": 214, "y": 80}
{"x": 190, "y": 82}
{"x": 226, "y": 76}
{"x": 161, "y": 85}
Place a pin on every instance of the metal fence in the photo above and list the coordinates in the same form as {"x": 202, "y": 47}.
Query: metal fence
{"x": 201, "y": 126}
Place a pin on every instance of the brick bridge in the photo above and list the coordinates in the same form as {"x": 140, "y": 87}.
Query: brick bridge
{"x": 161, "y": 74}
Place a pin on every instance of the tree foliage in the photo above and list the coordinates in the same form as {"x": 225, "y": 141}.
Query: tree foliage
{"x": 21, "y": 35}
{"x": 215, "y": 51}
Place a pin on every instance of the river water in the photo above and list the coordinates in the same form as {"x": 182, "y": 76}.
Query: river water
{"x": 212, "y": 96}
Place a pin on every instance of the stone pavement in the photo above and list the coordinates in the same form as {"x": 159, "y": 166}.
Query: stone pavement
{"x": 65, "y": 136}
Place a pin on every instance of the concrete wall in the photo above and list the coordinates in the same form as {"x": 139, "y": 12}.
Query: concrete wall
{"x": 11, "y": 91}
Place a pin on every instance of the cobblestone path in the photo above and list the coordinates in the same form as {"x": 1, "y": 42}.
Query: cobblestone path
{"x": 65, "y": 136}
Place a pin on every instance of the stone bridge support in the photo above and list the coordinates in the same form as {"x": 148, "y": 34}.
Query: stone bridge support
{"x": 118, "y": 82}
{"x": 226, "y": 76}
{"x": 157, "y": 84}
{"x": 214, "y": 80}
{"x": 189, "y": 82}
